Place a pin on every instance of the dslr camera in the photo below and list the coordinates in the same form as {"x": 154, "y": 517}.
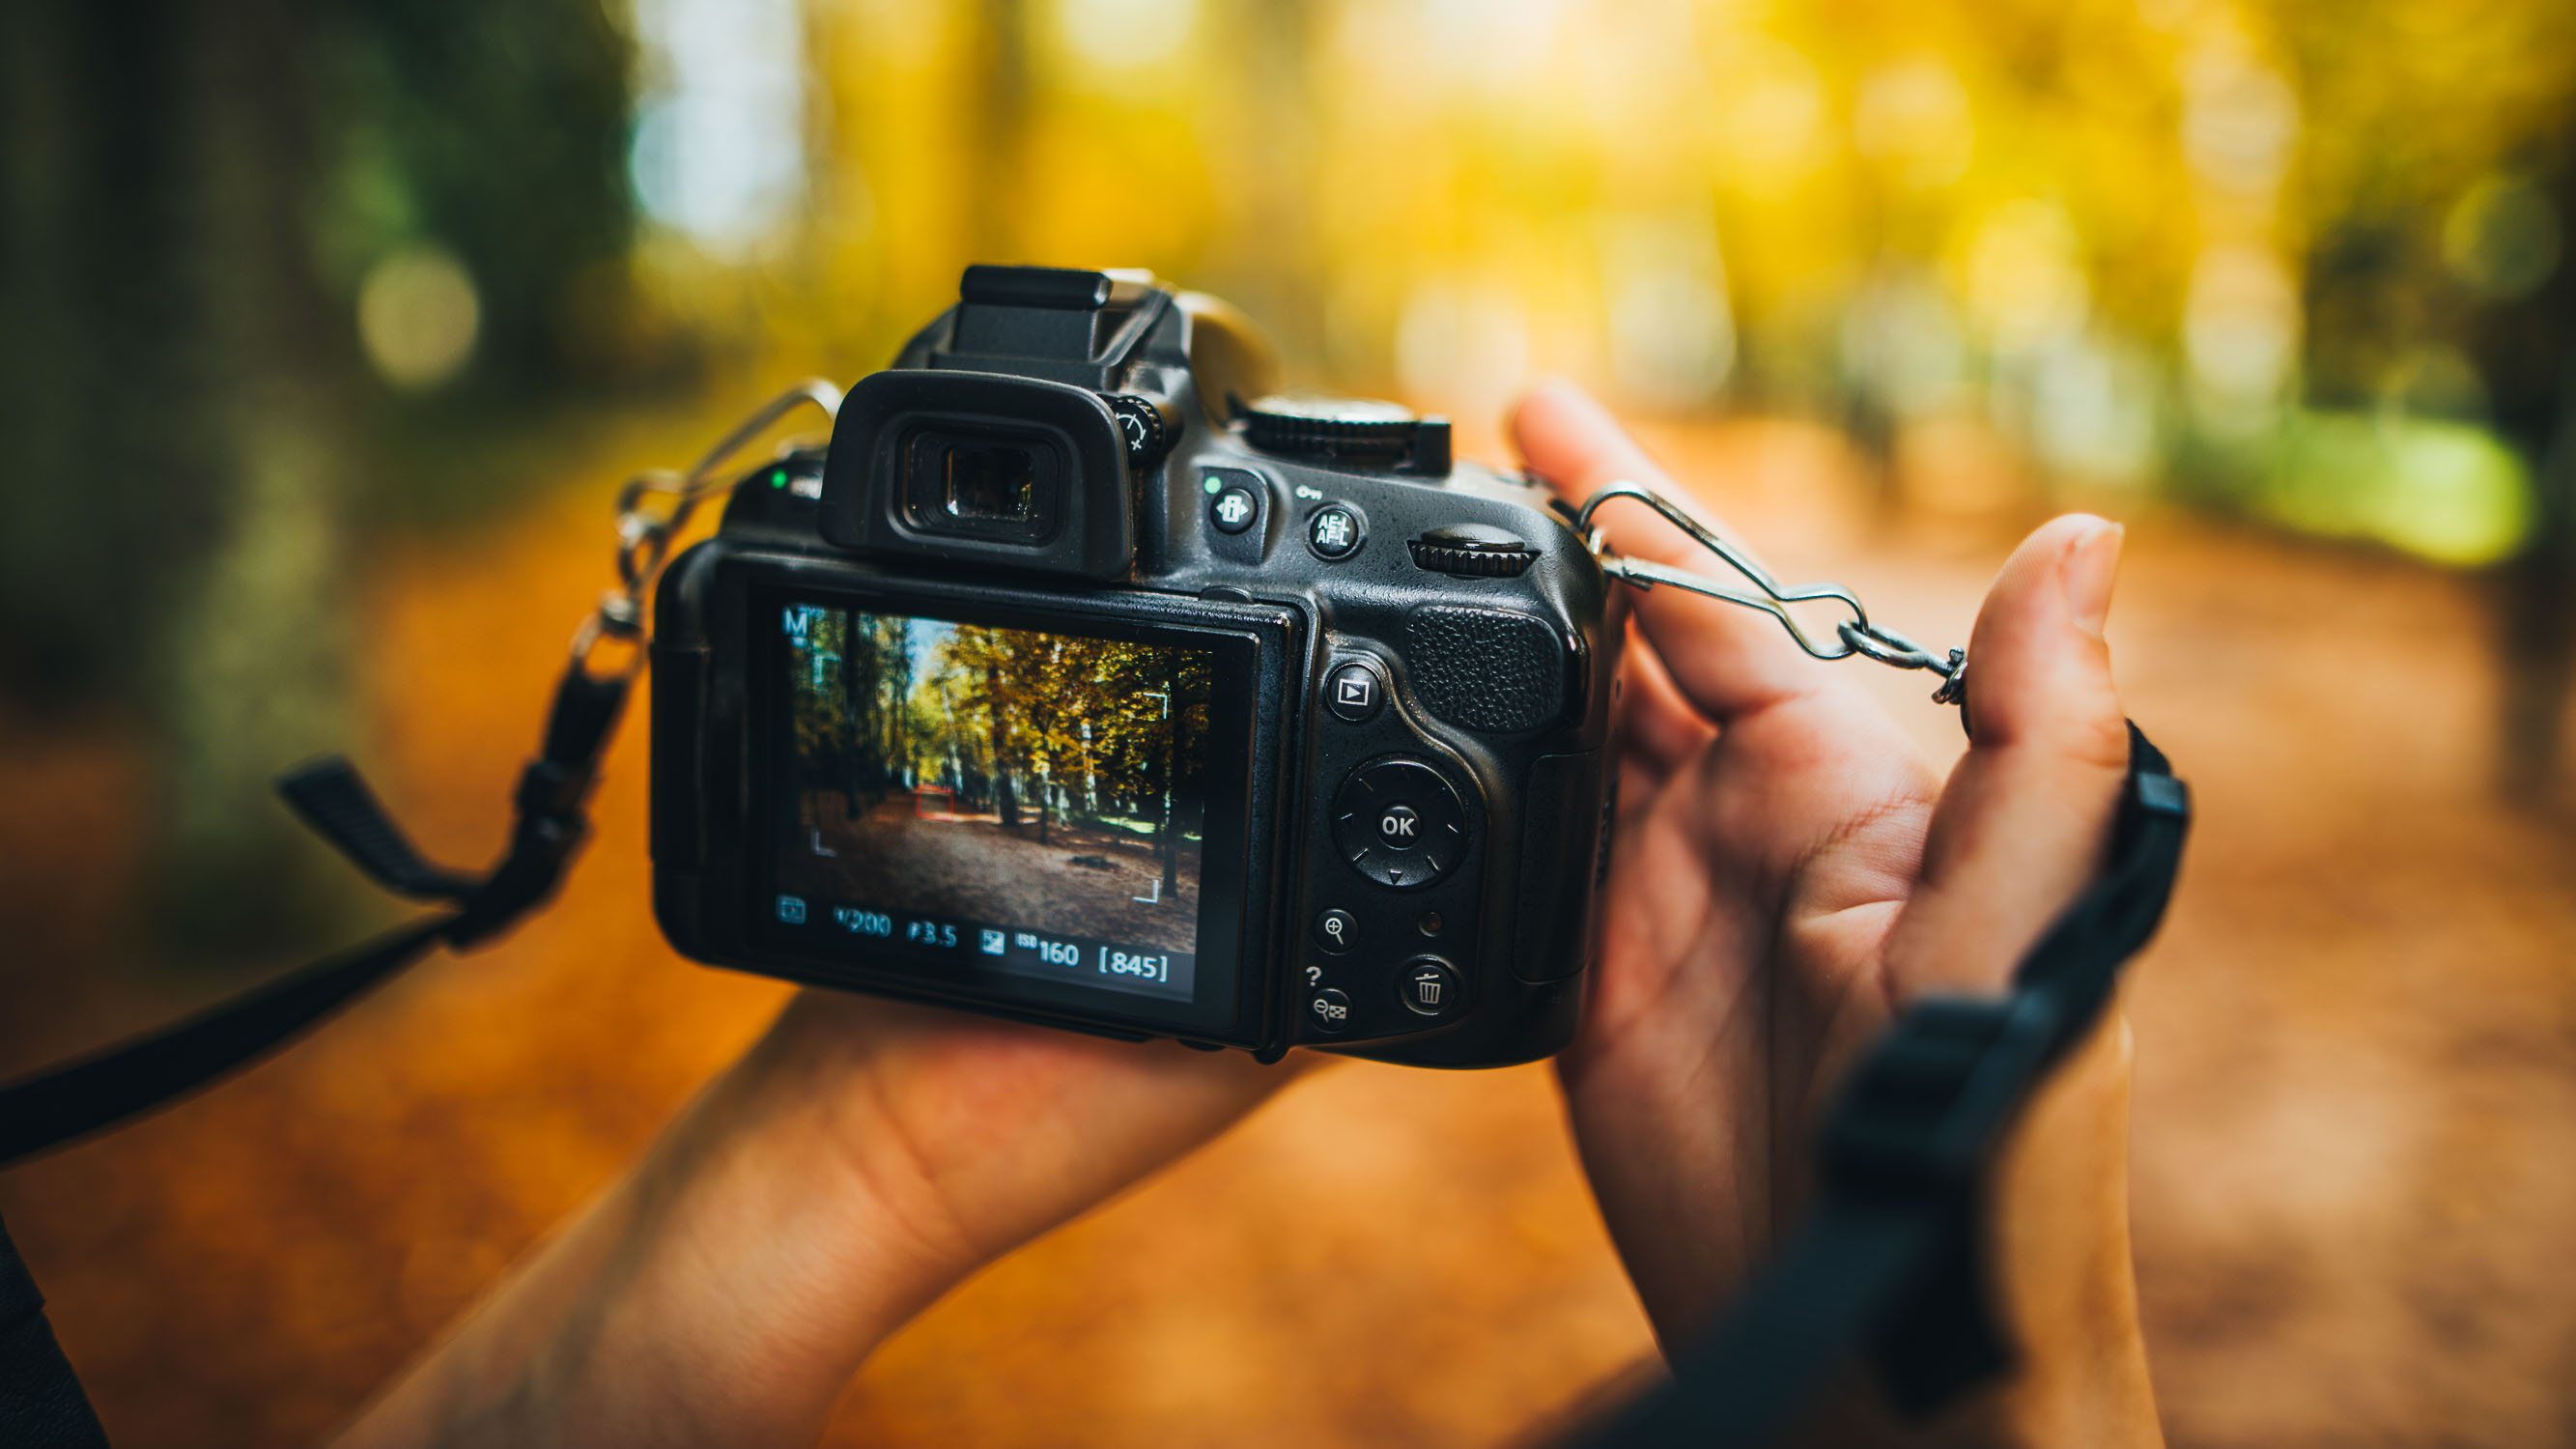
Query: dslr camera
{"x": 1084, "y": 679}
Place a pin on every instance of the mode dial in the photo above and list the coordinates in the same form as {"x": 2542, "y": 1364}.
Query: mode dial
{"x": 1348, "y": 430}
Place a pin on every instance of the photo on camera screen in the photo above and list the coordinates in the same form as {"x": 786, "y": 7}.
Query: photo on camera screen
{"x": 1023, "y": 802}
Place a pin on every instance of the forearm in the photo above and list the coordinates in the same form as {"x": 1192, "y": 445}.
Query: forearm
{"x": 722, "y": 1292}
{"x": 857, "y": 1163}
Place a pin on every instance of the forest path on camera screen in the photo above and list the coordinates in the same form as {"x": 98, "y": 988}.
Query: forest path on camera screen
{"x": 1081, "y": 882}
{"x": 1007, "y": 776}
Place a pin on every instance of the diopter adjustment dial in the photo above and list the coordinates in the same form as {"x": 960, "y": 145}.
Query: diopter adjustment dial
{"x": 1347, "y": 430}
{"x": 1142, "y": 427}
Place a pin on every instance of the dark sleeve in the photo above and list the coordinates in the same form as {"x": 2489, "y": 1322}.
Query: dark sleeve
{"x": 41, "y": 1403}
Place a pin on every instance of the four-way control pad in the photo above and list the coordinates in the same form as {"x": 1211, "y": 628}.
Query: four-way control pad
{"x": 1398, "y": 822}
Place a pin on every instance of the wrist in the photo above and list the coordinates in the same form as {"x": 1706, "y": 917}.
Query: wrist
{"x": 722, "y": 1292}
{"x": 774, "y": 1238}
{"x": 2062, "y": 1275}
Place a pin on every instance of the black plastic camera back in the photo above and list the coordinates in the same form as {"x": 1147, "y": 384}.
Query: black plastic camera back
{"x": 1084, "y": 680}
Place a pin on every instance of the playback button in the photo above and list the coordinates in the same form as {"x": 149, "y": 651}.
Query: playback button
{"x": 1353, "y": 693}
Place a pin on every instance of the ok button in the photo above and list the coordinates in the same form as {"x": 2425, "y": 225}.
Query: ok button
{"x": 1399, "y": 827}
{"x": 1399, "y": 822}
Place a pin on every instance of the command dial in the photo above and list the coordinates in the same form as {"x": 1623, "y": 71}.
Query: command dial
{"x": 1353, "y": 430}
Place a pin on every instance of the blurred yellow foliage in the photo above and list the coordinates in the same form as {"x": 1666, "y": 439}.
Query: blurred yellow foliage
{"x": 2093, "y": 226}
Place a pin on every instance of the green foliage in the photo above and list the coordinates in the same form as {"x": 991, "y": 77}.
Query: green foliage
{"x": 497, "y": 129}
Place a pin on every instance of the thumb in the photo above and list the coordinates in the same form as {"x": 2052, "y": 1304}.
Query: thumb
{"x": 2022, "y": 823}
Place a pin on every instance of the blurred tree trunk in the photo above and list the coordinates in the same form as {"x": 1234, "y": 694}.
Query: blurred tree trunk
{"x": 2526, "y": 349}
{"x": 2536, "y": 623}
{"x": 1005, "y": 802}
{"x": 177, "y": 529}
{"x": 259, "y": 677}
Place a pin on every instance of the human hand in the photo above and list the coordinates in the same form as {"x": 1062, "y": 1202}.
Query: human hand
{"x": 1785, "y": 878}
{"x": 858, "y": 1162}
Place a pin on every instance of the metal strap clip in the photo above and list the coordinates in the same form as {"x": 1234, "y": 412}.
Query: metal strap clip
{"x": 654, "y": 506}
{"x": 1856, "y": 635}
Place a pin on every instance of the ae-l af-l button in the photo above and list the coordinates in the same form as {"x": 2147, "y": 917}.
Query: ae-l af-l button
{"x": 1333, "y": 533}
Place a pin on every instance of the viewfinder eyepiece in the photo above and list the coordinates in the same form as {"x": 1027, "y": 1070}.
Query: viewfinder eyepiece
{"x": 974, "y": 485}
{"x": 977, "y": 467}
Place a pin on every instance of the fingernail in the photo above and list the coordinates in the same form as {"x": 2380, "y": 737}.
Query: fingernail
{"x": 2092, "y": 564}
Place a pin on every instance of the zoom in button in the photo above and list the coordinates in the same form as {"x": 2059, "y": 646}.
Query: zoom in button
{"x": 1336, "y": 931}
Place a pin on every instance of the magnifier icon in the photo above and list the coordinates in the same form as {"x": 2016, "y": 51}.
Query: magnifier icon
{"x": 1336, "y": 932}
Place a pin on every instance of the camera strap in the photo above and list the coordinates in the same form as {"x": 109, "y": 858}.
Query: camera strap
{"x": 1890, "y": 1264}
{"x": 75, "y": 1100}
{"x": 550, "y": 823}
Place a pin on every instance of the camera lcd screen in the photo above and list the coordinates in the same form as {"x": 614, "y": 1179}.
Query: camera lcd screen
{"x": 982, "y": 805}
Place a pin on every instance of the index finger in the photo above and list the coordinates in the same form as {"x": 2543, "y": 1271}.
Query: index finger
{"x": 1730, "y": 660}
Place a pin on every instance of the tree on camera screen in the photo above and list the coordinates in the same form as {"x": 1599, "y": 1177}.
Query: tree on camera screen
{"x": 1030, "y": 802}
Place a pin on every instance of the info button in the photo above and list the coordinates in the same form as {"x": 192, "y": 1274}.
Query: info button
{"x": 1233, "y": 510}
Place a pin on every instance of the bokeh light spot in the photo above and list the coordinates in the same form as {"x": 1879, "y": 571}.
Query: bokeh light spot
{"x": 719, "y": 149}
{"x": 2502, "y": 238}
{"x": 2240, "y": 122}
{"x": 1914, "y": 117}
{"x": 1120, "y": 34}
{"x": 418, "y": 316}
{"x": 2441, "y": 490}
{"x": 2241, "y": 322}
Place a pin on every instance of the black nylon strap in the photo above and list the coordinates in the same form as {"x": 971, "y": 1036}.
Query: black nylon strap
{"x": 1888, "y": 1260}
{"x": 76, "y": 1100}
{"x": 73, "y": 1101}
{"x": 41, "y": 1403}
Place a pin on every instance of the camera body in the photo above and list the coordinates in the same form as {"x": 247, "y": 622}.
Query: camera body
{"x": 1083, "y": 681}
